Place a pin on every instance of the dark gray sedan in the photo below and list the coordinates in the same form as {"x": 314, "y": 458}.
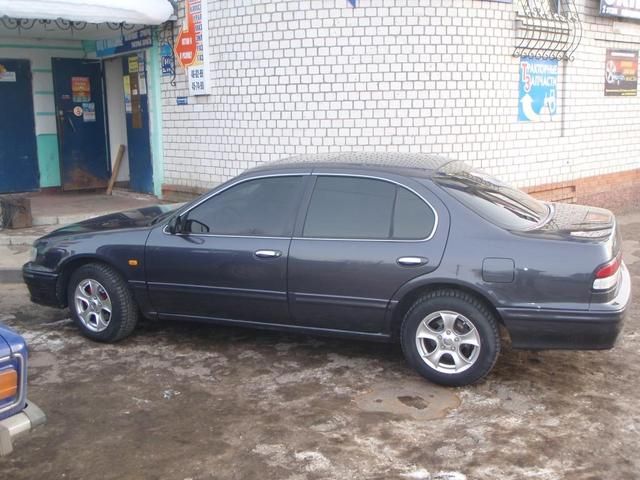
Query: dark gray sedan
{"x": 386, "y": 247}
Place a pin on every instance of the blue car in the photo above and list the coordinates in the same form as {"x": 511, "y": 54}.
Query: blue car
{"x": 17, "y": 415}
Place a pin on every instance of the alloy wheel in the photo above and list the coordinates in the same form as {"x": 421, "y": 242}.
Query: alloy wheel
{"x": 93, "y": 305}
{"x": 448, "y": 341}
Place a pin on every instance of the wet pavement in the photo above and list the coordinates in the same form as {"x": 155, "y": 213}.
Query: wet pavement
{"x": 190, "y": 401}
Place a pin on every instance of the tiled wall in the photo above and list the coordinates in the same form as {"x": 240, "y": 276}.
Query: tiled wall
{"x": 307, "y": 76}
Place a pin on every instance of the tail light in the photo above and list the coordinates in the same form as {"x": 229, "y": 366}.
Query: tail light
{"x": 8, "y": 384}
{"x": 607, "y": 274}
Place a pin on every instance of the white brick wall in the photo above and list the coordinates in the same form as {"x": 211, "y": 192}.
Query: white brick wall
{"x": 306, "y": 76}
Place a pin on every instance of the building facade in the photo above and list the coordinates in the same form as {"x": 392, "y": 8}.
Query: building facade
{"x": 289, "y": 77}
{"x": 75, "y": 86}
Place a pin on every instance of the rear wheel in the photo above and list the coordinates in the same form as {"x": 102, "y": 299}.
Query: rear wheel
{"x": 450, "y": 338}
{"x": 101, "y": 303}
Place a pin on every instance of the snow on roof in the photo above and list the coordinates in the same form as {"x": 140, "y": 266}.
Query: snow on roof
{"x": 137, "y": 12}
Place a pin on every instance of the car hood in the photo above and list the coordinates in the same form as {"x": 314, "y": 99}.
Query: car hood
{"x": 11, "y": 342}
{"x": 140, "y": 217}
{"x": 5, "y": 351}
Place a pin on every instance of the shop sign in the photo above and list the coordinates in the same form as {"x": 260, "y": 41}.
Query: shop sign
{"x": 537, "y": 98}
{"x": 192, "y": 47}
{"x": 620, "y": 8}
{"x": 621, "y": 73}
{"x": 128, "y": 42}
{"x": 80, "y": 89}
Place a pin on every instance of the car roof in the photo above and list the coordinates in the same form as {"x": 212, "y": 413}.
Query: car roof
{"x": 414, "y": 164}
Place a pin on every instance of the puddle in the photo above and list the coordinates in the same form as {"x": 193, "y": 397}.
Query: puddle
{"x": 421, "y": 401}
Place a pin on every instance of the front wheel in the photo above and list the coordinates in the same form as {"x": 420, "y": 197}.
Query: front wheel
{"x": 101, "y": 303}
{"x": 450, "y": 338}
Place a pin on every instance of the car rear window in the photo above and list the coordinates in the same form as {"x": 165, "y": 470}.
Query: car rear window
{"x": 495, "y": 201}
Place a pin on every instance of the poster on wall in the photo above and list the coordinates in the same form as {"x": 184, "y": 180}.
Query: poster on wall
{"x": 126, "y": 81}
{"x": 88, "y": 112}
{"x": 620, "y": 8}
{"x": 5, "y": 75}
{"x": 167, "y": 60}
{"x": 538, "y": 96}
{"x": 621, "y": 73}
{"x": 192, "y": 47}
{"x": 80, "y": 89}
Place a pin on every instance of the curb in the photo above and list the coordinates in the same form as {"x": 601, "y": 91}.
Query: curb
{"x": 10, "y": 275}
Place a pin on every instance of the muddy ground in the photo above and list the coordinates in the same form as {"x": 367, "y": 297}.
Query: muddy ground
{"x": 188, "y": 401}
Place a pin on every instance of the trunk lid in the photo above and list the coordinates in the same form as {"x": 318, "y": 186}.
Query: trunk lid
{"x": 580, "y": 223}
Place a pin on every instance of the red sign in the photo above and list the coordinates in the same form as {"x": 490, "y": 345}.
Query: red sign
{"x": 186, "y": 42}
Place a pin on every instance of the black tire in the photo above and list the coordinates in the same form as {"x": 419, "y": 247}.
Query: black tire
{"x": 469, "y": 309}
{"x": 124, "y": 311}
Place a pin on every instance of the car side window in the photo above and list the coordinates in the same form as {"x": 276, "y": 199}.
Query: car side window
{"x": 413, "y": 219}
{"x": 364, "y": 208}
{"x": 350, "y": 207}
{"x": 260, "y": 207}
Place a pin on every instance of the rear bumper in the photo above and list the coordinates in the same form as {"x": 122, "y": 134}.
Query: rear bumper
{"x": 42, "y": 286}
{"x": 593, "y": 329}
{"x": 19, "y": 424}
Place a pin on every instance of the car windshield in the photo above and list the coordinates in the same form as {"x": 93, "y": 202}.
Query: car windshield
{"x": 495, "y": 201}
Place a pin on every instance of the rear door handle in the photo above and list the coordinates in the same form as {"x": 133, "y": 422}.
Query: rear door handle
{"x": 412, "y": 261}
{"x": 267, "y": 253}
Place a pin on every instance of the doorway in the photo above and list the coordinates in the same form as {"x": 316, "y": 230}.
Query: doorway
{"x": 128, "y": 119}
{"x": 137, "y": 116}
{"x": 80, "y": 122}
{"x": 18, "y": 150}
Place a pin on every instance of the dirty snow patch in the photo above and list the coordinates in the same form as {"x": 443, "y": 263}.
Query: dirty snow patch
{"x": 314, "y": 461}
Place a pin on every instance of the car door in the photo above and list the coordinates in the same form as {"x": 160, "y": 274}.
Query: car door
{"x": 362, "y": 238}
{"x": 229, "y": 260}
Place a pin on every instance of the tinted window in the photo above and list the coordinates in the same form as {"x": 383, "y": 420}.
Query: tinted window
{"x": 497, "y": 202}
{"x": 261, "y": 207}
{"x": 344, "y": 207}
{"x": 413, "y": 219}
{"x": 350, "y": 207}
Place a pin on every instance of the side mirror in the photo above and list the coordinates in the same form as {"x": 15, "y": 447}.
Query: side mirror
{"x": 175, "y": 225}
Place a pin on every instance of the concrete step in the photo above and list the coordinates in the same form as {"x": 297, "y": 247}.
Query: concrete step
{"x": 42, "y": 220}
{"x": 24, "y": 236}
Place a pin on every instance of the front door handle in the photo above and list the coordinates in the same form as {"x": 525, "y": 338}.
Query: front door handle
{"x": 412, "y": 261}
{"x": 267, "y": 253}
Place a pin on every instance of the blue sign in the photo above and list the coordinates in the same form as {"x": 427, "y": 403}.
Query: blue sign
{"x": 128, "y": 42}
{"x": 537, "y": 98}
{"x": 166, "y": 60}
{"x": 353, "y": 2}
{"x": 182, "y": 100}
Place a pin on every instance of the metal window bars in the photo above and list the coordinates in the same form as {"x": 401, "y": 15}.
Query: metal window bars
{"x": 547, "y": 29}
